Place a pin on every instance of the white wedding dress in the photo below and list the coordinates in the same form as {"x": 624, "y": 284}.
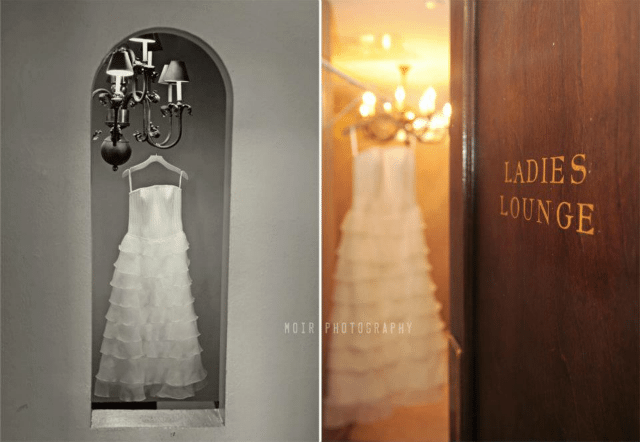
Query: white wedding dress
{"x": 150, "y": 344}
{"x": 383, "y": 277}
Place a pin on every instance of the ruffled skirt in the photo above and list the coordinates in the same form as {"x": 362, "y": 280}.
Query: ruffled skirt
{"x": 392, "y": 351}
{"x": 150, "y": 344}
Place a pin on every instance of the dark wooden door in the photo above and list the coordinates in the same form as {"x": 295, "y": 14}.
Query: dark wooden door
{"x": 555, "y": 221}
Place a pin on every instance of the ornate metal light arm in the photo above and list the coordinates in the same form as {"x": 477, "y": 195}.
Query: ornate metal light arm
{"x": 122, "y": 65}
{"x": 399, "y": 121}
{"x": 115, "y": 148}
{"x": 150, "y": 132}
{"x": 172, "y": 109}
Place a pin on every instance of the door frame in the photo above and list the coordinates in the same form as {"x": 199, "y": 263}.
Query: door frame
{"x": 462, "y": 205}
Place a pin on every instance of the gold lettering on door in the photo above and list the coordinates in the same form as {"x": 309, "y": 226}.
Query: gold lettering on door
{"x": 566, "y": 215}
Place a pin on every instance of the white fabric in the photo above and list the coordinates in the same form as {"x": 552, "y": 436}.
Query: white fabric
{"x": 383, "y": 277}
{"x": 150, "y": 343}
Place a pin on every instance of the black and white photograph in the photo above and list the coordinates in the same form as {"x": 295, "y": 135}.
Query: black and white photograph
{"x": 160, "y": 215}
{"x": 319, "y": 220}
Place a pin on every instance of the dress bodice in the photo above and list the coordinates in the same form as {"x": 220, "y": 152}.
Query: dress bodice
{"x": 155, "y": 211}
{"x": 384, "y": 176}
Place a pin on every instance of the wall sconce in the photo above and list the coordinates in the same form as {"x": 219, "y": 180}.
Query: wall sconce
{"x": 398, "y": 120}
{"x": 124, "y": 71}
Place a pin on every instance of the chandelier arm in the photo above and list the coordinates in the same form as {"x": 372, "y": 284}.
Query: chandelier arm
{"x": 133, "y": 97}
{"x": 163, "y": 142}
{"x": 147, "y": 119}
{"x": 153, "y": 129}
{"x": 97, "y": 91}
{"x": 163, "y": 145}
{"x": 170, "y": 130}
{"x": 135, "y": 91}
{"x": 144, "y": 135}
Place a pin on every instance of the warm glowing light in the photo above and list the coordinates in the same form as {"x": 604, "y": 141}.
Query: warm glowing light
{"x": 427, "y": 102}
{"x": 401, "y": 135}
{"x": 365, "y": 110}
{"x": 446, "y": 110}
{"x": 369, "y": 99}
{"x": 386, "y": 41}
{"x": 387, "y": 106}
{"x": 367, "y": 38}
{"x": 430, "y": 4}
{"x": 400, "y": 96}
{"x": 439, "y": 122}
{"x": 409, "y": 115}
{"x": 419, "y": 124}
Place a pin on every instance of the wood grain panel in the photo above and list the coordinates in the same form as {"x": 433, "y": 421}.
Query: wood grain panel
{"x": 556, "y": 296}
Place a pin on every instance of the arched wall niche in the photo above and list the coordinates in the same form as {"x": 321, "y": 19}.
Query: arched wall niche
{"x": 204, "y": 152}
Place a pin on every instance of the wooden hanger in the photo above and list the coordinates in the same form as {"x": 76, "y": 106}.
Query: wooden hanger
{"x": 155, "y": 159}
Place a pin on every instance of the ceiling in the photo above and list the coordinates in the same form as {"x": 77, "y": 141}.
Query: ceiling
{"x": 419, "y": 37}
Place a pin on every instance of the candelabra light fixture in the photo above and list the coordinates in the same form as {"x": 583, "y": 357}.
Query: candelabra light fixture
{"x": 398, "y": 121}
{"x": 131, "y": 80}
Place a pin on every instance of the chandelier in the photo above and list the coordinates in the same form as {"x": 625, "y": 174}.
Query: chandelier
{"x": 398, "y": 121}
{"x": 131, "y": 79}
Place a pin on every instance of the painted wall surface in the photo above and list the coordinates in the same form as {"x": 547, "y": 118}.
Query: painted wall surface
{"x": 200, "y": 153}
{"x": 50, "y": 52}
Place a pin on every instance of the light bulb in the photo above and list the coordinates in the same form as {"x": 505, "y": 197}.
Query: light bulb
{"x": 400, "y": 95}
{"x": 419, "y": 124}
{"x": 386, "y": 41}
{"x": 369, "y": 98}
{"x": 438, "y": 122}
{"x": 446, "y": 110}
{"x": 365, "y": 110}
{"x": 387, "y": 106}
{"x": 367, "y": 38}
{"x": 401, "y": 135}
{"x": 427, "y": 102}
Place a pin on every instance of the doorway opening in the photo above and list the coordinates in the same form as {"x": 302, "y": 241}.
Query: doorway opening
{"x": 386, "y": 95}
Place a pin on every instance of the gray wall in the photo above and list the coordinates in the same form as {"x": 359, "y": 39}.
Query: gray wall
{"x": 200, "y": 153}
{"x": 50, "y": 52}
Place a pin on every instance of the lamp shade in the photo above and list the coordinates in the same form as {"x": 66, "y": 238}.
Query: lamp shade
{"x": 149, "y": 38}
{"x": 161, "y": 79}
{"x": 152, "y": 40}
{"x": 120, "y": 64}
{"x": 177, "y": 71}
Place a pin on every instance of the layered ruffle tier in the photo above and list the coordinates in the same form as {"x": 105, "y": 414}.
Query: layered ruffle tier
{"x": 150, "y": 343}
{"x": 383, "y": 280}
